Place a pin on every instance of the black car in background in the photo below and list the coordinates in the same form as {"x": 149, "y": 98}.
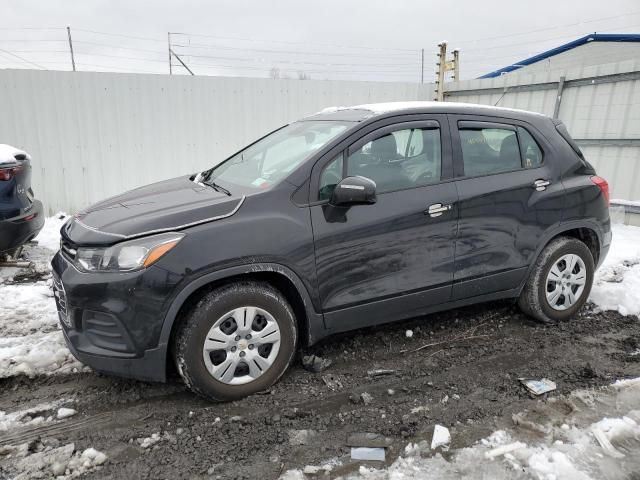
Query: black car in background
{"x": 21, "y": 216}
{"x": 349, "y": 218}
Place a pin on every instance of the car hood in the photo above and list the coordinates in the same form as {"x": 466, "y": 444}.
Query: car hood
{"x": 166, "y": 206}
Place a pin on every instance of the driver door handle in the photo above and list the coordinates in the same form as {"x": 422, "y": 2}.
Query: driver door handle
{"x": 437, "y": 209}
{"x": 541, "y": 185}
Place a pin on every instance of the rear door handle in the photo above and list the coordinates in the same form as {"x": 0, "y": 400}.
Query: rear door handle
{"x": 437, "y": 209}
{"x": 541, "y": 184}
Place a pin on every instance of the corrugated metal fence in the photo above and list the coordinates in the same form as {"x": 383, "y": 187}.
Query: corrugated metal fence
{"x": 600, "y": 106}
{"x": 93, "y": 135}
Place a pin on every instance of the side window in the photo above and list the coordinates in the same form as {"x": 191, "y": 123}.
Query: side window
{"x": 489, "y": 150}
{"x": 531, "y": 153}
{"x": 399, "y": 160}
{"x": 330, "y": 177}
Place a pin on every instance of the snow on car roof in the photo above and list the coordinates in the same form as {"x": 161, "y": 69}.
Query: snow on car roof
{"x": 387, "y": 107}
{"x": 8, "y": 153}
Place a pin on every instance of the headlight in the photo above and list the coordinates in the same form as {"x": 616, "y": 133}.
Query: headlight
{"x": 126, "y": 256}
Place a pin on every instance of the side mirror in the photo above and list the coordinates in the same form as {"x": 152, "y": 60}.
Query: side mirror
{"x": 354, "y": 191}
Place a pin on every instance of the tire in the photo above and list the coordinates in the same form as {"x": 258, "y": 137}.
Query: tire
{"x": 534, "y": 300}
{"x": 212, "y": 321}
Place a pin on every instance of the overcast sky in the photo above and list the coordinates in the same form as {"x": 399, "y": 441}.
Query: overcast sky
{"x": 328, "y": 39}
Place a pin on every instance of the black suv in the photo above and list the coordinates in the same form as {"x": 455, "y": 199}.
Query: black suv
{"x": 348, "y": 218}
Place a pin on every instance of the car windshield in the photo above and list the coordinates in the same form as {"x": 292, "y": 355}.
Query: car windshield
{"x": 275, "y": 156}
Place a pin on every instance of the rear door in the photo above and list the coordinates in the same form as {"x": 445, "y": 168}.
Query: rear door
{"x": 379, "y": 262}
{"x": 508, "y": 197}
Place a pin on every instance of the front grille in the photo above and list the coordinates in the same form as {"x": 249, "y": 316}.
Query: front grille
{"x": 61, "y": 301}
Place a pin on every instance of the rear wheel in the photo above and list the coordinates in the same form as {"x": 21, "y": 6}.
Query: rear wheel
{"x": 560, "y": 281}
{"x": 238, "y": 340}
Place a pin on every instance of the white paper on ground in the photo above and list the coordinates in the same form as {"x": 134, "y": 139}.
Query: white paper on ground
{"x": 538, "y": 387}
{"x": 366, "y": 453}
{"x": 441, "y": 437}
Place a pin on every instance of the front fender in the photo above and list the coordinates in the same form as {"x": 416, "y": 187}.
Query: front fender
{"x": 314, "y": 321}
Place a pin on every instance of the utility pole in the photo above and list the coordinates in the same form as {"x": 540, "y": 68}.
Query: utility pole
{"x": 441, "y": 64}
{"x": 180, "y": 60}
{"x": 73, "y": 60}
{"x": 169, "y": 46}
{"x": 422, "y": 66}
{"x": 456, "y": 65}
{"x": 445, "y": 66}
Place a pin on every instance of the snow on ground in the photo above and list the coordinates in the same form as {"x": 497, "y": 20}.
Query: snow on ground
{"x": 617, "y": 281}
{"x": 30, "y": 339}
{"x": 44, "y": 412}
{"x": 45, "y": 459}
{"x": 598, "y": 437}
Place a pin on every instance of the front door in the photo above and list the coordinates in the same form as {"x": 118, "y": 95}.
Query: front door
{"x": 391, "y": 259}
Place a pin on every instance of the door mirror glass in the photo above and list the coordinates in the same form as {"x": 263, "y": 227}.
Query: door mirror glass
{"x": 354, "y": 191}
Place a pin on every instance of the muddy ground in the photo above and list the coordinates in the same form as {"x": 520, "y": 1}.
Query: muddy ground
{"x": 470, "y": 386}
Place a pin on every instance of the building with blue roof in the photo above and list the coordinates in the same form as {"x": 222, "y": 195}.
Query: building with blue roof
{"x": 593, "y": 49}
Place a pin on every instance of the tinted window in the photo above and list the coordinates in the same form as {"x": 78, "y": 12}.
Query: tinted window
{"x": 489, "y": 150}
{"x": 403, "y": 159}
{"x": 531, "y": 153}
{"x": 330, "y": 177}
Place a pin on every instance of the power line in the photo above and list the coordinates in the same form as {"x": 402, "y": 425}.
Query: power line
{"x": 548, "y": 28}
{"x": 295, "y": 43}
{"x": 293, "y": 70}
{"x": 119, "y": 35}
{"x": 31, "y": 28}
{"x": 302, "y": 63}
{"x": 33, "y": 40}
{"x": 97, "y": 44}
{"x": 23, "y": 59}
{"x": 527, "y": 43}
{"x": 294, "y": 52}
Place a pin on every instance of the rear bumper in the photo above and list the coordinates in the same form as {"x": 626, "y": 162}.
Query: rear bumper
{"x": 17, "y": 231}
{"x": 604, "y": 247}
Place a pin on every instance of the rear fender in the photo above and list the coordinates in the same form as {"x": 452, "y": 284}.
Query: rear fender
{"x": 558, "y": 230}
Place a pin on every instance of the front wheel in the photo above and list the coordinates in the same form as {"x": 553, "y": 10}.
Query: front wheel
{"x": 559, "y": 282}
{"x": 239, "y": 339}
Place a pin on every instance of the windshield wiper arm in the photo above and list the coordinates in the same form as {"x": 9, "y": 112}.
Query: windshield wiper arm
{"x": 217, "y": 187}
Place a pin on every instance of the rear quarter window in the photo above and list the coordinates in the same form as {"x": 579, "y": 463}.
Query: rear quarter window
{"x": 564, "y": 133}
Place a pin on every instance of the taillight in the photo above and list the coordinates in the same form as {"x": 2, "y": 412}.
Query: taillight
{"x": 603, "y": 186}
{"x": 8, "y": 173}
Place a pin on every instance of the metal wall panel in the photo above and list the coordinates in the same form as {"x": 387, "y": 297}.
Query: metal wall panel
{"x": 93, "y": 135}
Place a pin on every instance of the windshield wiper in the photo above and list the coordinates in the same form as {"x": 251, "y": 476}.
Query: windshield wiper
{"x": 216, "y": 187}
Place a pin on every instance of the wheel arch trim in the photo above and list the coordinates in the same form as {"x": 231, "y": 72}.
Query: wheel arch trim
{"x": 558, "y": 230}
{"x": 314, "y": 321}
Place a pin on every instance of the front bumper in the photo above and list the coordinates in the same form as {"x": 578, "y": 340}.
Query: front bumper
{"x": 17, "y": 231}
{"x": 112, "y": 321}
{"x": 151, "y": 366}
